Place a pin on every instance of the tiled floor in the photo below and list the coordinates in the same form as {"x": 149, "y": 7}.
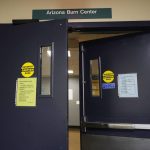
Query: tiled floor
{"x": 74, "y": 139}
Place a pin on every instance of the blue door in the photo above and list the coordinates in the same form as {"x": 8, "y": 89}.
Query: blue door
{"x": 33, "y": 78}
{"x": 115, "y": 106}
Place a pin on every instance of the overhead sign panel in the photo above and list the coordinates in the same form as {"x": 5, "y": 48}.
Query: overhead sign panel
{"x": 88, "y": 13}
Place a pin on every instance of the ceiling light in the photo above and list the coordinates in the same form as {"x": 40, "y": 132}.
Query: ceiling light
{"x": 48, "y": 52}
{"x": 77, "y": 102}
{"x": 69, "y": 53}
{"x": 70, "y": 71}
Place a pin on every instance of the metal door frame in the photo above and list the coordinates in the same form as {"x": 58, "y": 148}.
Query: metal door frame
{"x": 105, "y": 26}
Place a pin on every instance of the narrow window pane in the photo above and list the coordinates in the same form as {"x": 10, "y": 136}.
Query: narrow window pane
{"x": 46, "y": 65}
{"x": 95, "y": 87}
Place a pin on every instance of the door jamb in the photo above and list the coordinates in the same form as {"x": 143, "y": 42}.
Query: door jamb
{"x": 113, "y": 26}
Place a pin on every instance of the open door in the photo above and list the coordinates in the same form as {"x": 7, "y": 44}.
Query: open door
{"x": 33, "y": 103}
{"x": 114, "y": 81}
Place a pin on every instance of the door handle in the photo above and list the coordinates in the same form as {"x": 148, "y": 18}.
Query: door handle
{"x": 127, "y": 126}
{"x": 120, "y": 126}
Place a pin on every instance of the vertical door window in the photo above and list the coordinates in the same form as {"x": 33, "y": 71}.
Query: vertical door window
{"x": 46, "y": 67}
{"x": 94, "y": 75}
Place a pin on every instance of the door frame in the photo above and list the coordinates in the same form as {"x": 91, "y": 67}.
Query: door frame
{"x": 113, "y": 26}
{"x": 95, "y": 26}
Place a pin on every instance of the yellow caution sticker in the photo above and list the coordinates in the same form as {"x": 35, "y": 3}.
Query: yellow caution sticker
{"x": 27, "y": 69}
{"x": 108, "y": 76}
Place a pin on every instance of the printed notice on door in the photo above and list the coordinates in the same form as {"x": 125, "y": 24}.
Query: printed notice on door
{"x": 127, "y": 85}
{"x": 26, "y": 92}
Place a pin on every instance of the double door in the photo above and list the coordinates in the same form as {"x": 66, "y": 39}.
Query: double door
{"x": 114, "y": 88}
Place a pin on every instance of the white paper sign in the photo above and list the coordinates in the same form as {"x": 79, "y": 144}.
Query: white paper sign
{"x": 127, "y": 85}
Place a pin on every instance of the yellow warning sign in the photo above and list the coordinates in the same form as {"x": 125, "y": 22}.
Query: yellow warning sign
{"x": 27, "y": 69}
{"x": 108, "y": 76}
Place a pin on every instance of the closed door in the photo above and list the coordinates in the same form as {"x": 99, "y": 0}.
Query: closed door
{"x": 33, "y": 103}
{"x": 115, "y": 92}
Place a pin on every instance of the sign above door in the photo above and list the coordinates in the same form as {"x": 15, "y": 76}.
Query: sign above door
{"x": 88, "y": 13}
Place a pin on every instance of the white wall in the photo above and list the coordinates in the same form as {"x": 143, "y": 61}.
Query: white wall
{"x": 122, "y": 10}
{"x": 73, "y": 83}
{"x": 73, "y": 105}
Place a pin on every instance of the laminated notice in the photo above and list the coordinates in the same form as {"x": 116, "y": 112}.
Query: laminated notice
{"x": 127, "y": 85}
{"x": 26, "y": 92}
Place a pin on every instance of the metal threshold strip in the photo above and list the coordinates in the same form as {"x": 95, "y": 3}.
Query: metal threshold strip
{"x": 117, "y": 126}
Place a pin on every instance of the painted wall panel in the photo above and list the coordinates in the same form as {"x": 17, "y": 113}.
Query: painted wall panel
{"x": 121, "y": 10}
